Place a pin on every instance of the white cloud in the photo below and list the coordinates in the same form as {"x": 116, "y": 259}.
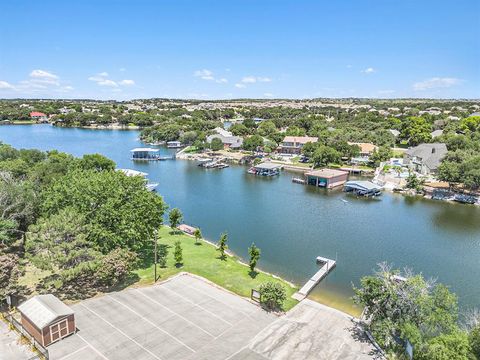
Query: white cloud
{"x": 6, "y": 85}
{"x": 263, "y": 79}
{"x": 436, "y": 83}
{"x": 240, "y": 86}
{"x": 204, "y": 74}
{"x": 208, "y": 75}
{"x": 107, "y": 82}
{"x": 102, "y": 80}
{"x": 254, "y": 79}
{"x": 249, "y": 80}
{"x": 369, "y": 70}
{"x": 42, "y": 74}
{"x": 268, "y": 95}
{"x": 127, "y": 82}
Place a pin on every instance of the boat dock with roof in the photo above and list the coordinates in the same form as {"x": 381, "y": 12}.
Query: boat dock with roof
{"x": 363, "y": 188}
{"x": 148, "y": 154}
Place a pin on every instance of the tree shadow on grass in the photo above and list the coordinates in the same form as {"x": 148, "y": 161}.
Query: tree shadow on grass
{"x": 222, "y": 257}
{"x": 253, "y": 274}
{"x": 179, "y": 265}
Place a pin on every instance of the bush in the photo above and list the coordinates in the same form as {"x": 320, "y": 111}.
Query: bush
{"x": 116, "y": 266}
{"x": 273, "y": 295}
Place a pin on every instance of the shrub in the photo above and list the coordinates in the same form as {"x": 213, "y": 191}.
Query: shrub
{"x": 273, "y": 295}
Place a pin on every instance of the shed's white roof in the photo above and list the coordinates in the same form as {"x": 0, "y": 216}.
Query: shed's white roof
{"x": 44, "y": 309}
{"x": 145, "y": 149}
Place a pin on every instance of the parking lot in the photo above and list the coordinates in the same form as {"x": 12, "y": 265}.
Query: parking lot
{"x": 184, "y": 318}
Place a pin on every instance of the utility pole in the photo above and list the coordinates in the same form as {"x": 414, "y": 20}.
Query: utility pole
{"x": 156, "y": 253}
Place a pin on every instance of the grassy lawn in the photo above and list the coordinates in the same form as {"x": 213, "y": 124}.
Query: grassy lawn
{"x": 203, "y": 260}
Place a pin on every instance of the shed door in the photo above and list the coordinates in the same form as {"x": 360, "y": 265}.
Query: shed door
{"x": 59, "y": 330}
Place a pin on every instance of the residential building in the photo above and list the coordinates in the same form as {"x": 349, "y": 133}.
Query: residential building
{"x": 425, "y": 158}
{"x": 47, "y": 318}
{"x": 39, "y": 116}
{"x": 294, "y": 144}
{"x": 229, "y": 142}
{"x": 366, "y": 149}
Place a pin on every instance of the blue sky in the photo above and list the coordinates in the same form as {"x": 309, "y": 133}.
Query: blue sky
{"x": 240, "y": 48}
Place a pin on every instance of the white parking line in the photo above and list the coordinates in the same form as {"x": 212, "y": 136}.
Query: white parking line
{"x": 220, "y": 301}
{"x": 173, "y": 312}
{"x": 92, "y": 347}
{"x": 144, "y": 318}
{"x": 120, "y": 331}
{"x": 195, "y": 304}
{"x": 76, "y": 351}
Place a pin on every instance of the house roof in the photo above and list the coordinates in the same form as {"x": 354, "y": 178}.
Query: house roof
{"x": 364, "y": 147}
{"x": 36, "y": 113}
{"x": 231, "y": 140}
{"x": 300, "y": 139}
{"x": 436, "y": 133}
{"x": 430, "y": 154}
{"x": 394, "y": 132}
{"x": 326, "y": 173}
{"x": 42, "y": 310}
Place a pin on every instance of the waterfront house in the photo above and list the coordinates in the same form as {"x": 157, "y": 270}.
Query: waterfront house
{"x": 265, "y": 169}
{"x": 327, "y": 178}
{"x": 294, "y": 144}
{"x": 47, "y": 319}
{"x": 366, "y": 149}
{"x": 145, "y": 154}
{"x": 229, "y": 142}
{"x": 39, "y": 116}
{"x": 425, "y": 158}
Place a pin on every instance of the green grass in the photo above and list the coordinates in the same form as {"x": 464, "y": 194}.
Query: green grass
{"x": 203, "y": 260}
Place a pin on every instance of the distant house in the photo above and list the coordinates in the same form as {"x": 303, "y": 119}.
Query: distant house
{"x": 229, "y": 142}
{"x": 436, "y": 133}
{"x": 425, "y": 158}
{"x": 294, "y": 144}
{"x": 366, "y": 149}
{"x": 38, "y": 116}
{"x": 394, "y": 132}
{"x": 47, "y": 318}
{"x": 327, "y": 178}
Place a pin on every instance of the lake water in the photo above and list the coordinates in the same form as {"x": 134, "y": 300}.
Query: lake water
{"x": 292, "y": 223}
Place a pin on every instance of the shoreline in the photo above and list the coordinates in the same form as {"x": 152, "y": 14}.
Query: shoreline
{"x": 327, "y": 299}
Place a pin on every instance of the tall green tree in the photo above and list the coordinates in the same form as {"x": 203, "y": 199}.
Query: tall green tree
{"x": 222, "y": 245}
{"x": 118, "y": 209}
{"x": 254, "y": 253}
{"x": 198, "y": 236}
{"x": 175, "y": 216}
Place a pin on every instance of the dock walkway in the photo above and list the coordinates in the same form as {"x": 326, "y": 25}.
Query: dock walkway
{"x": 327, "y": 266}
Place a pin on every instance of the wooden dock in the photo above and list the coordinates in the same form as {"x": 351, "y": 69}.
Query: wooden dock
{"x": 326, "y": 266}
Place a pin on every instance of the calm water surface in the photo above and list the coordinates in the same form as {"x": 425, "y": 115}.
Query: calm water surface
{"x": 292, "y": 223}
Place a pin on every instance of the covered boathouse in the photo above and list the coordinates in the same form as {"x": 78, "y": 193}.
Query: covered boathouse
{"x": 145, "y": 154}
{"x": 265, "y": 169}
{"x": 327, "y": 178}
{"x": 47, "y": 318}
{"x": 363, "y": 188}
